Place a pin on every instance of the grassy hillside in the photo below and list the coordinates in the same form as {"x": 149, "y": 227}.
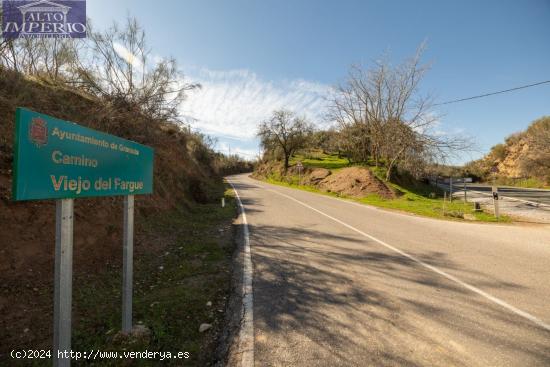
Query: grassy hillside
{"x": 320, "y": 160}
{"x": 183, "y": 241}
{"x": 410, "y": 195}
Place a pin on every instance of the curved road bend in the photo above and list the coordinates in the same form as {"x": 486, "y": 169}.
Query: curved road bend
{"x": 341, "y": 284}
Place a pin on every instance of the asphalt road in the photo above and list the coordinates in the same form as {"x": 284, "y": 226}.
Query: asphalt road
{"x": 534, "y": 195}
{"x": 341, "y": 284}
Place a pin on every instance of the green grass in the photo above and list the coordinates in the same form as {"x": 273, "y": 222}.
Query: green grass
{"x": 414, "y": 197}
{"x": 187, "y": 265}
{"x": 320, "y": 160}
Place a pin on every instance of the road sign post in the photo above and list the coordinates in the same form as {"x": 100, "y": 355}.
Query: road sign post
{"x": 63, "y": 280}
{"x": 451, "y": 189}
{"x": 128, "y": 263}
{"x": 495, "y": 201}
{"x": 56, "y": 159}
{"x": 465, "y": 191}
{"x": 300, "y": 168}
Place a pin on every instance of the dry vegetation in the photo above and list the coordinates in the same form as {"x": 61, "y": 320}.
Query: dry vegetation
{"x": 91, "y": 84}
{"x": 524, "y": 158}
{"x": 186, "y": 177}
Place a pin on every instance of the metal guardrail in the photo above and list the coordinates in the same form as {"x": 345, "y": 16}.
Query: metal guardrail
{"x": 446, "y": 186}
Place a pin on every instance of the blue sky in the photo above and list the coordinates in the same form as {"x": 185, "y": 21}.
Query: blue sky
{"x": 255, "y": 56}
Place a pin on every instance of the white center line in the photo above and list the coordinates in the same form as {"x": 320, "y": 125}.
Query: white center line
{"x": 472, "y": 288}
{"x": 246, "y": 334}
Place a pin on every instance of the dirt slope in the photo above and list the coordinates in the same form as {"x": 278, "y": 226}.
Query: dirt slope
{"x": 357, "y": 182}
{"x": 183, "y": 176}
{"x": 352, "y": 181}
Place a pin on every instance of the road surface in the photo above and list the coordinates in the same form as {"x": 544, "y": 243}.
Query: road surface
{"x": 336, "y": 283}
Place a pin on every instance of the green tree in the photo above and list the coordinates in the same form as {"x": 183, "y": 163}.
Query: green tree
{"x": 285, "y": 131}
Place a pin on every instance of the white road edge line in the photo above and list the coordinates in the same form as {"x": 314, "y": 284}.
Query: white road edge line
{"x": 484, "y": 294}
{"x": 246, "y": 334}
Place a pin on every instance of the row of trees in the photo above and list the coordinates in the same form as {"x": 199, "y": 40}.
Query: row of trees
{"x": 380, "y": 117}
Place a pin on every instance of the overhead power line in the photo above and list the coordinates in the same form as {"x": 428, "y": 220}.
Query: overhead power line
{"x": 493, "y": 93}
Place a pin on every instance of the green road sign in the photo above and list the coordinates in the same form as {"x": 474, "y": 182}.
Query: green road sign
{"x": 56, "y": 159}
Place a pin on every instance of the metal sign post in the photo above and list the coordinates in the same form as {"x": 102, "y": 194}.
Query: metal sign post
{"x": 63, "y": 283}
{"x": 465, "y": 192}
{"x": 300, "y": 168}
{"x": 495, "y": 201}
{"x": 451, "y": 189}
{"x": 127, "y": 266}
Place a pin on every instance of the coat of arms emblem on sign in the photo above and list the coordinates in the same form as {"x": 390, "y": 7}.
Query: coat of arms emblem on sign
{"x": 38, "y": 132}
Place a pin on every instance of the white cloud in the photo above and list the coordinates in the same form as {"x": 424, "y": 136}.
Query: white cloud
{"x": 232, "y": 103}
{"x": 226, "y": 148}
{"x": 128, "y": 56}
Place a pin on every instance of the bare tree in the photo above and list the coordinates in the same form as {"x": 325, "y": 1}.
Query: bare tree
{"x": 284, "y": 131}
{"x": 48, "y": 58}
{"x": 119, "y": 67}
{"x": 4, "y": 45}
{"x": 395, "y": 122}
